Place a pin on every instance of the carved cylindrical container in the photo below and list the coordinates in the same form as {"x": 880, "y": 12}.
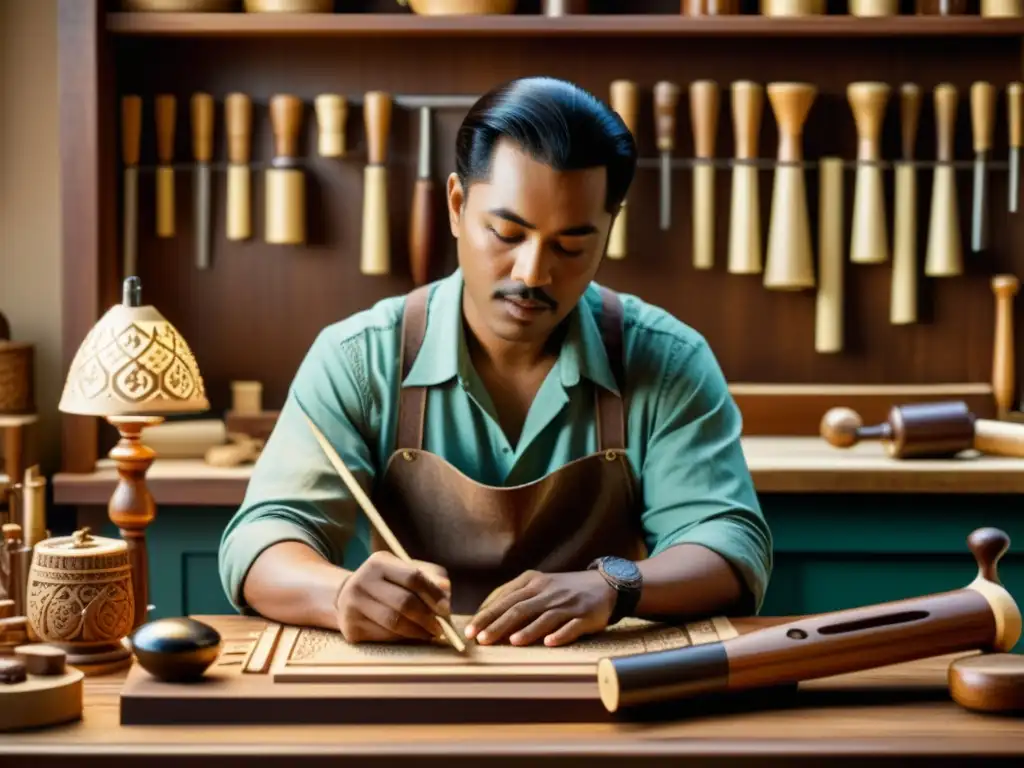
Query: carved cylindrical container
{"x": 80, "y": 596}
{"x": 17, "y": 377}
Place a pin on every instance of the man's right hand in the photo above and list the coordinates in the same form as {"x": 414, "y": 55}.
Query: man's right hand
{"x": 387, "y": 600}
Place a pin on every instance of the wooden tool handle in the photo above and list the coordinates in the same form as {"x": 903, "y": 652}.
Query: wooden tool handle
{"x": 791, "y": 103}
{"x": 202, "y": 127}
{"x": 999, "y": 438}
{"x": 868, "y": 102}
{"x": 331, "y": 114}
{"x": 704, "y": 100}
{"x": 747, "y": 111}
{"x": 625, "y": 100}
{"x": 131, "y": 129}
{"x": 945, "y": 120}
{"x": 165, "y": 111}
{"x": 910, "y": 113}
{"x": 286, "y": 121}
{"x": 421, "y": 230}
{"x": 666, "y": 102}
{"x": 903, "y": 287}
{"x": 377, "y": 117}
{"x": 828, "y": 325}
{"x": 238, "y": 119}
{"x": 1005, "y": 287}
{"x": 1015, "y": 112}
{"x": 983, "y": 108}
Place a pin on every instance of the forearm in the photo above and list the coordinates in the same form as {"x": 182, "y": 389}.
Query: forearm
{"x": 292, "y": 583}
{"x": 688, "y": 580}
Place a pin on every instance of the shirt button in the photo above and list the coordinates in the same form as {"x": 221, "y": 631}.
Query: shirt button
{"x": 506, "y": 450}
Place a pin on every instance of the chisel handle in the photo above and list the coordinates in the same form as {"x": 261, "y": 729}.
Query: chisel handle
{"x": 421, "y": 230}
{"x": 165, "y": 111}
{"x": 666, "y": 102}
{"x": 375, "y": 256}
{"x": 202, "y": 127}
{"x": 131, "y": 132}
{"x": 944, "y": 252}
{"x": 625, "y": 97}
{"x": 331, "y": 114}
{"x": 983, "y": 108}
{"x": 868, "y": 238}
{"x": 704, "y": 109}
{"x": 745, "y": 247}
{"x": 238, "y": 121}
{"x": 910, "y": 114}
{"x": 1015, "y": 113}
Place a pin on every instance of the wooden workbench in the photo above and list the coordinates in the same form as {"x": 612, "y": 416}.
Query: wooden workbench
{"x": 894, "y": 715}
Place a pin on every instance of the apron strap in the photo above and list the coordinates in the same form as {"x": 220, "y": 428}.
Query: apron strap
{"x": 412, "y": 401}
{"x": 611, "y": 411}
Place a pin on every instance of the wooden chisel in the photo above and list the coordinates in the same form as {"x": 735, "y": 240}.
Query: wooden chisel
{"x": 903, "y": 290}
{"x": 285, "y": 181}
{"x": 202, "y": 152}
{"x": 666, "y": 102}
{"x": 624, "y": 100}
{"x": 131, "y": 131}
{"x": 165, "y": 111}
{"x": 238, "y": 119}
{"x": 944, "y": 256}
{"x": 704, "y": 100}
{"x": 869, "y": 242}
{"x": 745, "y": 257}
{"x": 331, "y": 114}
{"x": 375, "y": 257}
{"x": 1014, "y": 115}
{"x": 983, "y": 106}
{"x": 421, "y": 226}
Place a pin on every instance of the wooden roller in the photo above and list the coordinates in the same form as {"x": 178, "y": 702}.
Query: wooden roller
{"x": 926, "y": 430}
{"x": 165, "y": 112}
{"x": 828, "y": 330}
{"x": 869, "y": 241}
{"x": 1005, "y": 287}
{"x": 625, "y": 98}
{"x": 375, "y": 256}
{"x": 979, "y": 616}
{"x": 238, "y": 123}
{"x": 903, "y": 287}
{"x": 704, "y": 101}
{"x": 745, "y": 255}
{"x": 944, "y": 255}
{"x": 789, "y": 263}
{"x": 285, "y": 181}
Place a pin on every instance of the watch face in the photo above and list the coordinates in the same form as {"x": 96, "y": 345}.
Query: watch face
{"x": 624, "y": 571}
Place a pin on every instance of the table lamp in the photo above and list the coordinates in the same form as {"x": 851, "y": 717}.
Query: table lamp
{"x": 133, "y": 369}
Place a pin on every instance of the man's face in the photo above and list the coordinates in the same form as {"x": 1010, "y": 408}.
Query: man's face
{"x": 530, "y": 240}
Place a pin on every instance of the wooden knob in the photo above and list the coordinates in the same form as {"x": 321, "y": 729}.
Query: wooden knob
{"x": 286, "y": 120}
{"x": 238, "y": 118}
{"x": 1005, "y": 286}
{"x": 165, "y": 111}
{"x": 988, "y": 545}
{"x": 945, "y": 120}
{"x": 747, "y": 110}
{"x": 868, "y": 102}
{"x": 666, "y": 102}
{"x": 840, "y": 425}
{"x": 983, "y": 107}
{"x": 1015, "y": 112}
{"x": 131, "y": 129}
{"x": 377, "y": 117}
{"x": 704, "y": 99}
{"x": 791, "y": 103}
{"x": 910, "y": 113}
{"x": 625, "y": 97}
{"x": 202, "y": 127}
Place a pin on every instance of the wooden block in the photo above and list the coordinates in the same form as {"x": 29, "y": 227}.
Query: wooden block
{"x": 41, "y": 700}
{"x": 13, "y": 624}
{"x": 258, "y": 425}
{"x": 42, "y": 659}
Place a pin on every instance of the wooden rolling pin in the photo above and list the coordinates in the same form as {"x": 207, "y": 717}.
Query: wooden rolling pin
{"x": 625, "y": 98}
{"x": 981, "y": 616}
{"x": 202, "y": 150}
{"x": 131, "y": 134}
{"x": 869, "y": 242}
{"x": 903, "y": 290}
{"x": 944, "y": 255}
{"x": 238, "y": 122}
{"x": 331, "y": 114}
{"x": 165, "y": 112}
{"x": 186, "y": 439}
{"x": 666, "y": 102}
{"x": 745, "y": 254}
{"x": 704, "y": 101}
{"x": 1004, "y": 387}
{"x": 926, "y": 430}
{"x": 375, "y": 256}
{"x": 422, "y": 211}
{"x": 789, "y": 263}
{"x": 828, "y": 331}
{"x": 285, "y": 181}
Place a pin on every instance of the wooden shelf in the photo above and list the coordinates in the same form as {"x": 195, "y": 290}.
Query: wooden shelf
{"x": 615, "y": 25}
{"x": 778, "y": 465}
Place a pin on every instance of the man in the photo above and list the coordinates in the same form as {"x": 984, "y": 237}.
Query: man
{"x": 554, "y": 455}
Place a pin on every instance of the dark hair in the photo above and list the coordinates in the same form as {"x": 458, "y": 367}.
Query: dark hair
{"x": 555, "y": 122}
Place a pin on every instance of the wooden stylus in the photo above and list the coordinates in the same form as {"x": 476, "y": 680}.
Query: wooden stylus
{"x": 378, "y": 522}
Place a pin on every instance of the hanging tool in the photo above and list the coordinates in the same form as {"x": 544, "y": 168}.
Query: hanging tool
{"x": 944, "y": 256}
{"x": 165, "y": 110}
{"x": 1015, "y": 118}
{"x": 285, "y": 181}
{"x": 202, "y": 151}
{"x": 331, "y": 114}
{"x": 131, "y": 130}
{"x": 704, "y": 100}
{"x": 983, "y": 107}
{"x": 421, "y": 226}
{"x": 376, "y": 244}
{"x": 238, "y": 118}
{"x": 666, "y": 101}
{"x": 745, "y": 257}
{"x": 868, "y": 237}
{"x": 903, "y": 289}
{"x": 624, "y": 100}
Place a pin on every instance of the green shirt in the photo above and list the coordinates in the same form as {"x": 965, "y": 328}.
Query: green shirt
{"x": 682, "y": 437}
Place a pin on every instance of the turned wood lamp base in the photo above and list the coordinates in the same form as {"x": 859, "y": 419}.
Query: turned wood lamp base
{"x": 132, "y": 507}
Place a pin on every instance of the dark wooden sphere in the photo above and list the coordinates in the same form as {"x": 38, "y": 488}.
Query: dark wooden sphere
{"x": 839, "y": 427}
{"x": 176, "y": 650}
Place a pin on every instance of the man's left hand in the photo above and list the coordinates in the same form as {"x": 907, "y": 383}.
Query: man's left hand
{"x": 558, "y": 607}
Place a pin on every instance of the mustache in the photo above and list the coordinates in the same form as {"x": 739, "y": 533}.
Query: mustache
{"x": 524, "y": 293}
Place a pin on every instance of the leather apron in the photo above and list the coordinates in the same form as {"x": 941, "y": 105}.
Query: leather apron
{"x": 484, "y": 535}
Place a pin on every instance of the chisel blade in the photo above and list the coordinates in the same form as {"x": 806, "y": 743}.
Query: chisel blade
{"x": 202, "y": 215}
{"x": 1014, "y": 182}
{"x": 666, "y": 190}
{"x": 979, "y": 212}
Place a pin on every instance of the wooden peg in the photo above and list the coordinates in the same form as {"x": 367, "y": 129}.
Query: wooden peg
{"x": 131, "y": 134}
{"x": 704, "y": 101}
{"x": 745, "y": 254}
{"x": 238, "y": 121}
{"x": 625, "y": 98}
{"x": 165, "y": 111}
{"x": 903, "y": 290}
{"x": 1005, "y": 288}
{"x": 376, "y": 243}
{"x": 944, "y": 255}
{"x": 869, "y": 242}
{"x": 789, "y": 262}
{"x": 331, "y": 114}
{"x": 285, "y": 181}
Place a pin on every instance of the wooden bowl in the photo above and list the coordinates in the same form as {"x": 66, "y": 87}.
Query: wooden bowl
{"x": 289, "y": 6}
{"x": 181, "y": 6}
{"x": 461, "y": 7}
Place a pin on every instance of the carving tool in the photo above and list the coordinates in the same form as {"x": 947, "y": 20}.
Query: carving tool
{"x": 704, "y": 100}
{"x": 828, "y": 329}
{"x": 331, "y": 114}
{"x": 238, "y": 118}
{"x": 983, "y": 107}
{"x": 982, "y": 615}
{"x": 376, "y": 244}
{"x": 286, "y": 184}
{"x": 202, "y": 151}
{"x": 421, "y": 225}
{"x": 624, "y": 100}
{"x": 666, "y": 102}
{"x": 378, "y": 522}
{"x": 131, "y": 132}
{"x": 944, "y": 255}
{"x": 868, "y": 238}
{"x": 745, "y": 257}
{"x": 1015, "y": 118}
{"x": 1005, "y": 287}
{"x": 903, "y": 288}
{"x": 789, "y": 264}
{"x": 165, "y": 111}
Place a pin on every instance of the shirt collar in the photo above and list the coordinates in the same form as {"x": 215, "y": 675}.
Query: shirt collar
{"x": 583, "y": 353}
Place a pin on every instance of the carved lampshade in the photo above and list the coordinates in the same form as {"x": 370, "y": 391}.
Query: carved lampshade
{"x": 133, "y": 369}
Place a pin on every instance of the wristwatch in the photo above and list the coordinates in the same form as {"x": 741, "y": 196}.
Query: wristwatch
{"x": 624, "y": 575}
